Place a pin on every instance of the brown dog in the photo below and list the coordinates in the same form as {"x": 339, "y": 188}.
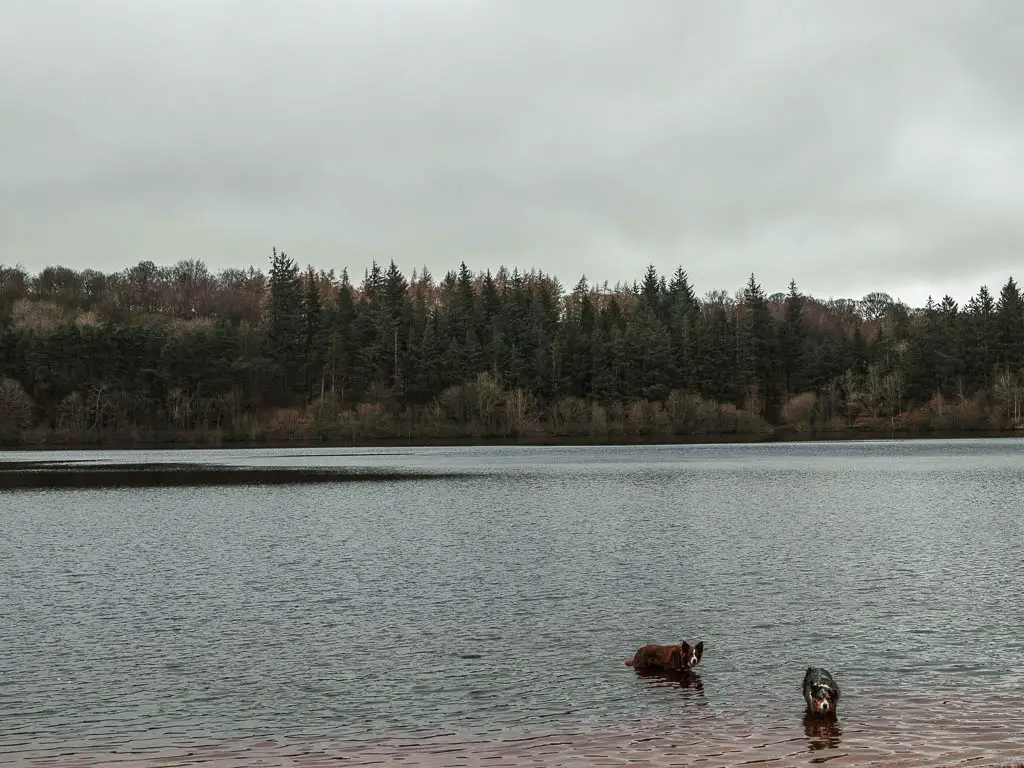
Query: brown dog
{"x": 666, "y": 658}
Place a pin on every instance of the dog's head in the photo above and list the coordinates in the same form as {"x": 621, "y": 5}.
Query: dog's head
{"x": 820, "y": 692}
{"x": 691, "y": 654}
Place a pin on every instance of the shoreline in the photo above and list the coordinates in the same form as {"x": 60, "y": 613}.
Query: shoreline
{"x": 189, "y": 442}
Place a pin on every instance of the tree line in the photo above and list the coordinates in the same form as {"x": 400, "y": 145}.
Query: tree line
{"x": 177, "y": 353}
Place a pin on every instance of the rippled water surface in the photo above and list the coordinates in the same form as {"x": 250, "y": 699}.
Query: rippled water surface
{"x": 481, "y": 614}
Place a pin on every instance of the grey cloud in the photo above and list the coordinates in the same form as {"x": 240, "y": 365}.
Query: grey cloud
{"x": 852, "y": 146}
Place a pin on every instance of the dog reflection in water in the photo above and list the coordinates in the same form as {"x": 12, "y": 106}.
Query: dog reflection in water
{"x": 822, "y": 732}
{"x": 675, "y": 678}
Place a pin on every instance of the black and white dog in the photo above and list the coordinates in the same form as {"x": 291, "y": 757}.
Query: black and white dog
{"x": 820, "y": 691}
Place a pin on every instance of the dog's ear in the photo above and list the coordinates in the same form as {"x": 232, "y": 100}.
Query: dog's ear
{"x": 699, "y": 648}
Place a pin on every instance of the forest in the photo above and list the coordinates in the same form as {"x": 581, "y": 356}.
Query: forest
{"x": 161, "y": 354}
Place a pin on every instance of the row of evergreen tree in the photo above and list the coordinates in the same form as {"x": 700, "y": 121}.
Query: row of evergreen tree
{"x": 137, "y": 347}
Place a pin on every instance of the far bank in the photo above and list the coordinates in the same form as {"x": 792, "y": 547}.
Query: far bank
{"x": 190, "y": 441}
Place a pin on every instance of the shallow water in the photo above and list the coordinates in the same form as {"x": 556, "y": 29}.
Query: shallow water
{"x": 480, "y": 612}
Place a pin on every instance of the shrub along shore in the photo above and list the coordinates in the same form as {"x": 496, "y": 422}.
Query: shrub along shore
{"x": 682, "y": 419}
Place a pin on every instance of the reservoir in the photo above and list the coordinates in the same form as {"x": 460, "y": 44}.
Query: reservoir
{"x": 454, "y": 606}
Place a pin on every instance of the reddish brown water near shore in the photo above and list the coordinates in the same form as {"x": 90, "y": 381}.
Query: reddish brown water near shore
{"x": 912, "y": 733}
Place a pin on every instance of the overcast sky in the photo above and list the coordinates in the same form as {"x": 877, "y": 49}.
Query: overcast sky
{"x": 852, "y": 146}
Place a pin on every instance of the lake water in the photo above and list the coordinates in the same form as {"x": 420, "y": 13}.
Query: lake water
{"x": 479, "y": 611}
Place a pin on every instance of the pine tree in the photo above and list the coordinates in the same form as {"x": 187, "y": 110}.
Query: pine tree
{"x": 1010, "y": 312}
{"x": 284, "y": 320}
{"x": 312, "y": 316}
{"x": 490, "y": 320}
{"x": 792, "y": 338}
{"x": 920, "y": 365}
{"x": 466, "y": 300}
{"x": 395, "y": 327}
{"x": 680, "y": 318}
{"x": 756, "y": 347}
{"x": 342, "y": 341}
{"x": 950, "y": 366}
{"x": 650, "y": 290}
{"x": 980, "y": 340}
